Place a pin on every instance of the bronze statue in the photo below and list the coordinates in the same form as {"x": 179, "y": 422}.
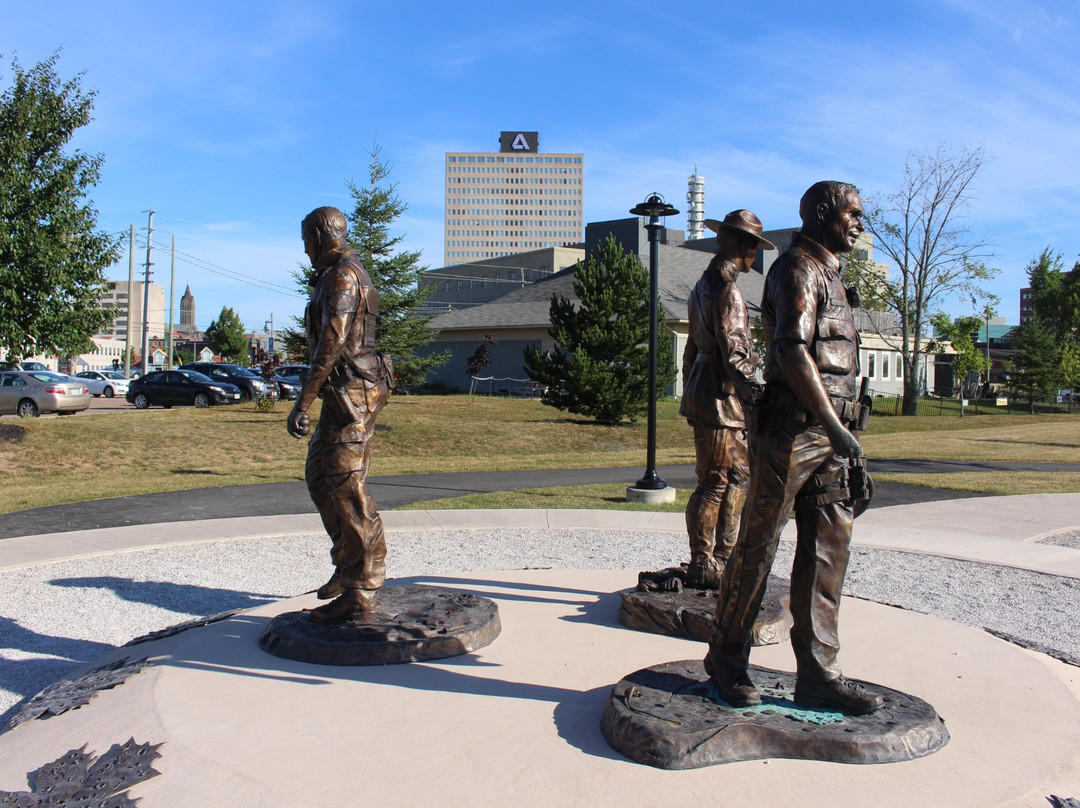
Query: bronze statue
{"x": 805, "y": 456}
{"x": 353, "y": 381}
{"x": 718, "y": 372}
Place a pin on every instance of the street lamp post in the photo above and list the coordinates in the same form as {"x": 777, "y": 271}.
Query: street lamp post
{"x": 654, "y": 207}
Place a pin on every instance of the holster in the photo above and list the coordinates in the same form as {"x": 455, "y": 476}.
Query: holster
{"x": 860, "y": 485}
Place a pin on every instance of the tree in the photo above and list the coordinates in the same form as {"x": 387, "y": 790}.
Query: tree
{"x": 600, "y": 365}
{"x": 294, "y": 338}
{"x": 1036, "y": 372}
{"x": 225, "y": 336}
{"x": 960, "y": 333}
{"x": 52, "y": 256}
{"x": 1055, "y": 294}
{"x": 401, "y": 330}
{"x": 1055, "y": 301}
{"x": 919, "y": 227}
{"x": 481, "y": 357}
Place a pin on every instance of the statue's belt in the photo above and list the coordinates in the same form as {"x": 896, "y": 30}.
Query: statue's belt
{"x": 850, "y": 412}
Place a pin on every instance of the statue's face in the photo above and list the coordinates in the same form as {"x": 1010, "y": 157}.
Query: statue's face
{"x": 844, "y": 224}
{"x": 311, "y": 241}
{"x": 744, "y": 261}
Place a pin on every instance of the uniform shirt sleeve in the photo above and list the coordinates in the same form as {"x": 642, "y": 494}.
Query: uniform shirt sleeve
{"x": 733, "y": 342}
{"x": 342, "y": 295}
{"x": 795, "y": 294}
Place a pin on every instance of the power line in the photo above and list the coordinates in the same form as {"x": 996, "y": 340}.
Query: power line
{"x": 231, "y": 274}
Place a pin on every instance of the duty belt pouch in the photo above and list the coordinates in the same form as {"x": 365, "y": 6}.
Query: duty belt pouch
{"x": 866, "y": 406}
{"x": 375, "y": 370}
{"x": 860, "y": 486}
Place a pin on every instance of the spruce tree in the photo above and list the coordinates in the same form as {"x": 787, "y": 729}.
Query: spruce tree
{"x": 395, "y": 274}
{"x": 600, "y": 365}
{"x": 1037, "y": 372}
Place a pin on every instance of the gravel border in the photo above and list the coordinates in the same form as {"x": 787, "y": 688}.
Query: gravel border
{"x": 1066, "y": 538}
{"x": 57, "y": 617}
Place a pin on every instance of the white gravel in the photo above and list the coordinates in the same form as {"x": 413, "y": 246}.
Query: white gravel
{"x": 57, "y": 617}
{"x": 1066, "y": 538}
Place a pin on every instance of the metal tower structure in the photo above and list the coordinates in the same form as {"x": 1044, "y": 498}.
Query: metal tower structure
{"x": 695, "y": 206}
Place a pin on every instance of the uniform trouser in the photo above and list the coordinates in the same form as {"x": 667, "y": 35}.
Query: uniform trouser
{"x": 337, "y": 480}
{"x": 789, "y": 460}
{"x": 715, "y": 508}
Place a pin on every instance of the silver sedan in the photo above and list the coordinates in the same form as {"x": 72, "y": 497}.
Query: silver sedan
{"x": 106, "y": 383}
{"x": 28, "y": 393}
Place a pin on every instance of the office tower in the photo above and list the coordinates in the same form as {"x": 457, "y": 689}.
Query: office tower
{"x": 510, "y": 201}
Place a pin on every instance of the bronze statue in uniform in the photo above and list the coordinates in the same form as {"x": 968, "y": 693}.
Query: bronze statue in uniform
{"x": 805, "y": 456}
{"x": 353, "y": 380}
{"x": 718, "y": 380}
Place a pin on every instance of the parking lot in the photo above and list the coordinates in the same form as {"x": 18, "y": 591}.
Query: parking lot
{"x": 97, "y": 405}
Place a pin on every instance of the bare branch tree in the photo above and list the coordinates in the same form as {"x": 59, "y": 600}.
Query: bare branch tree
{"x": 935, "y": 255}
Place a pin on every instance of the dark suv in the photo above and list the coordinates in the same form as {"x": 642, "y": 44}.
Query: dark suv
{"x": 251, "y": 384}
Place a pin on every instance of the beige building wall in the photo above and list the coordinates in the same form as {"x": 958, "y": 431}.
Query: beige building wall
{"x": 129, "y": 305}
{"x": 500, "y": 203}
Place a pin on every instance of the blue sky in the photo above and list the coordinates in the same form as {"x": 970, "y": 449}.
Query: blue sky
{"x": 234, "y": 119}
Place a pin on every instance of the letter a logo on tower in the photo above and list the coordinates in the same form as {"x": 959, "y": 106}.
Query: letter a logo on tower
{"x": 520, "y": 143}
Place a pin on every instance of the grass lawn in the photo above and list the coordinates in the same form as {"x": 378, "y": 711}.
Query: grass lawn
{"x": 52, "y": 461}
{"x": 603, "y": 496}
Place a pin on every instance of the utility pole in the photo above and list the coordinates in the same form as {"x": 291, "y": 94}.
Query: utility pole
{"x": 172, "y": 290}
{"x": 131, "y": 286}
{"x": 146, "y": 300}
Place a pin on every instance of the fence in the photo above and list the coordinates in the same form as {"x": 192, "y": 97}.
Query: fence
{"x": 935, "y": 405}
{"x": 505, "y": 386}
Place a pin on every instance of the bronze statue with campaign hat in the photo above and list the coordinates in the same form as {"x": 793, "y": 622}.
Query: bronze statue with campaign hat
{"x": 719, "y": 385}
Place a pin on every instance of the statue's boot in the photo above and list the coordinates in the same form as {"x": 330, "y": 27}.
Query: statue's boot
{"x": 840, "y": 693}
{"x": 701, "y": 516}
{"x": 733, "y": 684}
{"x": 350, "y": 605}
{"x": 331, "y": 589}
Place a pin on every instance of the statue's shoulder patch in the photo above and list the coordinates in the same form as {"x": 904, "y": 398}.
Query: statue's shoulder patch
{"x": 342, "y": 301}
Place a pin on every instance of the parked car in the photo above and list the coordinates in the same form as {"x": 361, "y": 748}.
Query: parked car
{"x": 171, "y": 388}
{"x": 106, "y": 383}
{"x": 297, "y": 372}
{"x": 27, "y": 365}
{"x": 251, "y": 384}
{"x": 28, "y": 393}
{"x": 288, "y": 386}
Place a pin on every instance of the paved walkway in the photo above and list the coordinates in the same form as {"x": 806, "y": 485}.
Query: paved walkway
{"x": 518, "y": 721}
{"x": 395, "y": 491}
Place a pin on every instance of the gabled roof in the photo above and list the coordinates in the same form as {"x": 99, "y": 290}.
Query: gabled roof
{"x": 680, "y": 269}
{"x": 527, "y": 307}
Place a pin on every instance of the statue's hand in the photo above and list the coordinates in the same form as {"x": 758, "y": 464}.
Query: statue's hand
{"x": 298, "y": 423}
{"x": 845, "y": 444}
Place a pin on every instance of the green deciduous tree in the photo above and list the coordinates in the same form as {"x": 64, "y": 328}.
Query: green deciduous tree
{"x": 52, "y": 256}
{"x": 396, "y": 274}
{"x": 934, "y": 255}
{"x": 967, "y": 357}
{"x": 225, "y": 336}
{"x": 600, "y": 365}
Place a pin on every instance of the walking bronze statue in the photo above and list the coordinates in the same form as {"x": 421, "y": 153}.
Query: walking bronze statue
{"x": 805, "y": 455}
{"x": 353, "y": 380}
{"x": 718, "y": 372}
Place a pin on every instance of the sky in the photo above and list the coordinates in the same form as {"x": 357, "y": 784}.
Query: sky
{"x": 232, "y": 120}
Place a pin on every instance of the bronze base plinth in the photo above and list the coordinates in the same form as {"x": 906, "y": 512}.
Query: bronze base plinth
{"x": 409, "y": 624}
{"x": 691, "y": 612}
{"x": 669, "y": 716}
